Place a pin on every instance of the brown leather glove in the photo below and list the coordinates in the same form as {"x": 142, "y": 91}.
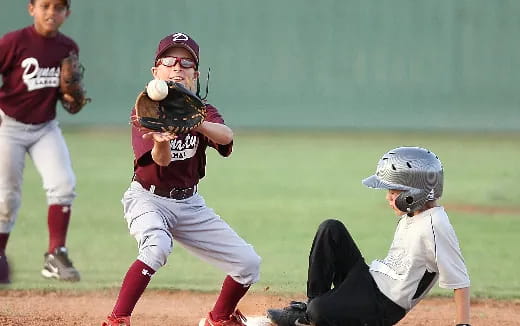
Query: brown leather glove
{"x": 72, "y": 93}
{"x": 179, "y": 113}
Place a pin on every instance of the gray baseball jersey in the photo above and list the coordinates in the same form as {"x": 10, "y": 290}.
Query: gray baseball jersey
{"x": 424, "y": 244}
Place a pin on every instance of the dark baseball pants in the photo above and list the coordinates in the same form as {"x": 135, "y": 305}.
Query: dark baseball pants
{"x": 354, "y": 299}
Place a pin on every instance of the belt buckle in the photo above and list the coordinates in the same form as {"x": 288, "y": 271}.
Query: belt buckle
{"x": 182, "y": 193}
{"x": 172, "y": 193}
{"x": 179, "y": 193}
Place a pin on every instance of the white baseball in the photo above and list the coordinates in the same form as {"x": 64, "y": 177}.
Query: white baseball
{"x": 157, "y": 89}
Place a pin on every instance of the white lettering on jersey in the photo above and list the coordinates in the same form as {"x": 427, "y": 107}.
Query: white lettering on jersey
{"x": 390, "y": 267}
{"x": 35, "y": 77}
{"x": 182, "y": 149}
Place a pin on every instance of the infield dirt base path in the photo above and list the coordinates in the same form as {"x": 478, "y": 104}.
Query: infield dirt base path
{"x": 180, "y": 308}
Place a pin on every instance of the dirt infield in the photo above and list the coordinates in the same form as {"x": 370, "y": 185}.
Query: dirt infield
{"x": 186, "y": 308}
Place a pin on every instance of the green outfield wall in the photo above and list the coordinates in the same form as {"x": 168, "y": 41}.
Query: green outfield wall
{"x": 392, "y": 64}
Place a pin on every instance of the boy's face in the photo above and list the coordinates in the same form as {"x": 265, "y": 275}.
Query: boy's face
{"x": 177, "y": 73}
{"x": 391, "y": 195}
{"x": 48, "y": 15}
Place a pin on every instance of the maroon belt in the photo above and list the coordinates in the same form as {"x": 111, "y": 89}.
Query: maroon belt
{"x": 174, "y": 193}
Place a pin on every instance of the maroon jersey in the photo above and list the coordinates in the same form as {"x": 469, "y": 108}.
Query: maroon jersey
{"x": 188, "y": 157}
{"x": 30, "y": 69}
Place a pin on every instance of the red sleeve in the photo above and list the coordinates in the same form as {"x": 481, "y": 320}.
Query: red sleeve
{"x": 213, "y": 115}
{"x": 140, "y": 146}
{"x": 73, "y": 46}
{"x": 7, "y": 52}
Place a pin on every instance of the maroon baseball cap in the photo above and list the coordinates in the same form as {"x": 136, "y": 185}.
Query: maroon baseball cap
{"x": 178, "y": 40}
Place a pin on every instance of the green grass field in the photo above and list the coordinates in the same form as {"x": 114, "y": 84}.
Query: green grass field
{"x": 274, "y": 190}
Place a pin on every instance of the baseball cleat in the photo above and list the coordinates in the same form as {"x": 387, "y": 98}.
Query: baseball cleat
{"x": 4, "y": 271}
{"x": 117, "y": 321}
{"x": 58, "y": 265}
{"x": 236, "y": 319}
{"x": 293, "y": 315}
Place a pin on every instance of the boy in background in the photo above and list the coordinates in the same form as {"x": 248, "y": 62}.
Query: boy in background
{"x": 30, "y": 61}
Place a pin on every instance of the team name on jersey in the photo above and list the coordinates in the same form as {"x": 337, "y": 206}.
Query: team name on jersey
{"x": 36, "y": 77}
{"x": 182, "y": 149}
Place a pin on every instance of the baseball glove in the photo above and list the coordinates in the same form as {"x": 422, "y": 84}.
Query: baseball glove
{"x": 179, "y": 113}
{"x": 73, "y": 94}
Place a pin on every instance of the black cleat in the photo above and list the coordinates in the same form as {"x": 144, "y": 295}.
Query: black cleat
{"x": 293, "y": 315}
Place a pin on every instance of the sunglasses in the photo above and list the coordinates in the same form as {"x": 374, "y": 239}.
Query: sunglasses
{"x": 172, "y": 61}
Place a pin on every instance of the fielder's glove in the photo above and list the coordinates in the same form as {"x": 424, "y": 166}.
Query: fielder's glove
{"x": 72, "y": 93}
{"x": 179, "y": 113}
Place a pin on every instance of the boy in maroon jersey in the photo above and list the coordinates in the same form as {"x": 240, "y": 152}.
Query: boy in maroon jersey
{"x": 162, "y": 205}
{"x": 30, "y": 60}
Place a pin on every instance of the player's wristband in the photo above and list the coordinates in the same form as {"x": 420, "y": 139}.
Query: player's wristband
{"x": 463, "y": 325}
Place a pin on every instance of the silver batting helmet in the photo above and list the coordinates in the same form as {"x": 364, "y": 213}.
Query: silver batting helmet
{"x": 416, "y": 171}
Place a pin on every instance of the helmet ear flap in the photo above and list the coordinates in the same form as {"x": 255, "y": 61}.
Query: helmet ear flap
{"x": 411, "y": 200}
